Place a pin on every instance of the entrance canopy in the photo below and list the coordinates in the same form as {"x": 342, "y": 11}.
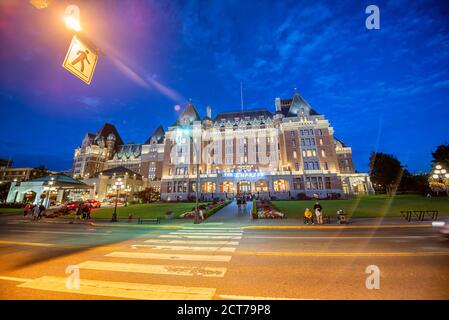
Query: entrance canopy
{"x": 43, "y": 186}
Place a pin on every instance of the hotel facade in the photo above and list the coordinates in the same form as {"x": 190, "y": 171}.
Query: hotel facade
{"x": 290, "y": 153}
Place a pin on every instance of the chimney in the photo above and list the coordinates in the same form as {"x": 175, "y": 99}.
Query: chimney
{"x": 277, "y": 103}
{"x": 209, "y": 112}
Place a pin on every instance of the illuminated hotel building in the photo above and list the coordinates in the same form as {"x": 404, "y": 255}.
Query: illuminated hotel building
{"x": 289, "y": 154}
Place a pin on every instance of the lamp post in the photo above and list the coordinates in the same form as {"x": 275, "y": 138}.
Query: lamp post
{"x": 118, "y": 185}
{"x": 197, "y": 188}
{"x": 47, "y": 199}
{"x": 441, "y": 176}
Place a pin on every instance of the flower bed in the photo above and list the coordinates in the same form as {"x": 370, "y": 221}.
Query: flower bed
{"x": 265, "y": 210}
{"x": 208, "y": 209}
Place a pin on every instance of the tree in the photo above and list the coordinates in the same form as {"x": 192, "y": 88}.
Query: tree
{"x": 148, "y": 195}
{"x": 4, "y": 190}
{"x": 385, "y": 172}
{"x": 414, "y": 183}
{"x": 441, "y": 156}
{"x": 40, "y": 171}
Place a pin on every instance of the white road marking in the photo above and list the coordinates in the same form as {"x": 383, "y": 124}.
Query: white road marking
{"x": 154, "y": 269}
{"x": 208, "y": 242}
{"x": 15, "y": 279}
{"x": 169, "y": 256}
{"x": 340, "y": 237}
{"x": 183, "y": 248}
{"x": 212, "y": 229}
{"x": 122, "y": 289}
{"x": 61, "y": 232}
{"x": 207, "y": 233}
{"x": 200, "y": 237}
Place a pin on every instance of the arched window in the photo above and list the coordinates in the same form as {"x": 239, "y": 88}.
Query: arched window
{"x": 280, "y": 185}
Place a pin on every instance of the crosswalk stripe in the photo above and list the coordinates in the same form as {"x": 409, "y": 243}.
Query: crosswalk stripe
{"x": 61, "y": 232}
{"x": 199, "y": 237}
{"x": 183, "y": 248}
{"x": 122, "y": 289}
{"x": 169, "y": 256}
{"x": 213, "y": 229}
{"x": 154, "y": 269}
{"x": 206, "y": 233}
{"x": 208, "y": 242}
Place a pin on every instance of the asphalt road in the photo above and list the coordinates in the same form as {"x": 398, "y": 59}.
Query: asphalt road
{"x": 219, "y": 261}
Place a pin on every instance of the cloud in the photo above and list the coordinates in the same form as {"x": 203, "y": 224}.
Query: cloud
{"x": 92, "y": 102}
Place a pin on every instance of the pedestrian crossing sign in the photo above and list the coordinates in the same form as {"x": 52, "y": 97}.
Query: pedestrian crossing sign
{"x": 81, "y": 60}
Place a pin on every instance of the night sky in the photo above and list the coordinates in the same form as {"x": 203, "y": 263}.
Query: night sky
{"x": 384, "y": 90}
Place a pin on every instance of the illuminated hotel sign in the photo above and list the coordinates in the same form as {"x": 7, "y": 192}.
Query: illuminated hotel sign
{"x": 243, "y": 174}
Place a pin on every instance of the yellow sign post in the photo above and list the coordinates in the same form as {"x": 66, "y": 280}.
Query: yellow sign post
{"x": 81, "y": 60}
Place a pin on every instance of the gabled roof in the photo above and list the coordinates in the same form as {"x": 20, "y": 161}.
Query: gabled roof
{"x": 106, "y": 130}
{"x": 159, "y": 134}
{"x": 290, "y": 107}
{"x": 128, "y": 151}
{"x": 189, "y": 113}
{"x": 252, "y": 114}
{"x": 339, "y": 143}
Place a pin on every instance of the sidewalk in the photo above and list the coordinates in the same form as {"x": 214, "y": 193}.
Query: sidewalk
{"x": 230, "y": 215}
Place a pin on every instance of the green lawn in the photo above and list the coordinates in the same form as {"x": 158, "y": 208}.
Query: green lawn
{"x": 367, "y": 206}
{"x": 11, "y": 210}
{"x": 148, "y": 210}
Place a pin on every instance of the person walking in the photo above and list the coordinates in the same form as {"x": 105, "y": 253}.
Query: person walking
{"x": 41, "y": 211}
{"x": 26, "y": 209}
{"x": 86, "y": 211}
{"x": 239, "y": 204}
{"x": 79, "y": 212}
{"x": 36, "y": 211}
{"x": 318, "y": 212}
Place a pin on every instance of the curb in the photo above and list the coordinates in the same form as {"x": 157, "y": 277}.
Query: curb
{"x": 340, "y": 227}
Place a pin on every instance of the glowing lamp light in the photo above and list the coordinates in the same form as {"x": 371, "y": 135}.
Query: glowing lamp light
{"x": 72, "y": 24}
{"x": 435, "y": 176}
{"x": 438, "y": 167}
{"x": 443, "y": 171}
{"x": 72, "y": 18}
{"x": 437, "y": 172}
{"x": 446, "y": 175}
{"x": 40, "y": 4}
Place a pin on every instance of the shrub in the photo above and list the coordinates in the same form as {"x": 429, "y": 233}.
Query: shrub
{"x": 254, "y": 211}
{"x": 210, "y": 212}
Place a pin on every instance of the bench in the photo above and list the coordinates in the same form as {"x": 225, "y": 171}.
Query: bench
{"x": 142, "y": 221}
{"x": 419, "y": 214}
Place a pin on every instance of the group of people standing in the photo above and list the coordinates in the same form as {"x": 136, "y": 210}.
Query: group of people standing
{"x": 308, "y": 215}
{"x": 36, "y": 211}
{"x": 83, "y": 211}
{"x": 241, "y": 202}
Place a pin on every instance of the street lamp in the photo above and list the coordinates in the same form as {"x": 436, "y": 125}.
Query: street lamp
{"x": 118, "y": 185}
{"x": 197, "y": 187}
{"x": 440, "y": 174}
{"x": 47, "y": 199}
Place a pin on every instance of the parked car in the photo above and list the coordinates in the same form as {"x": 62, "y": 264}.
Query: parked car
{"x": 94, "y": 203}
{"x": 72, "y": 205}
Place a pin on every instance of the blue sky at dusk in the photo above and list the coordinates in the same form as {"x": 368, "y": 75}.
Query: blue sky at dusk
{"x": 384, "y": 90}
